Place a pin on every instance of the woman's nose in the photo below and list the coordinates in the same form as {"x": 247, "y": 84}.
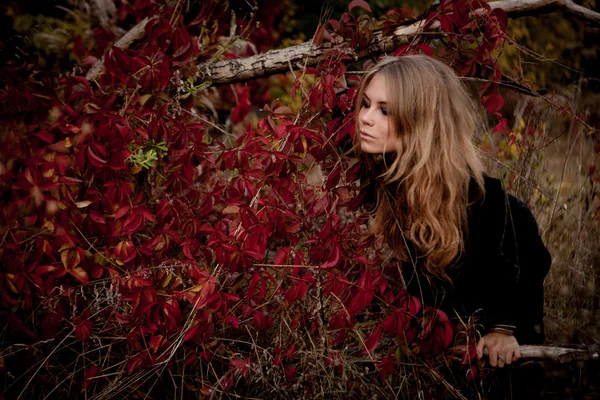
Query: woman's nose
{"x": 365, "y": 117}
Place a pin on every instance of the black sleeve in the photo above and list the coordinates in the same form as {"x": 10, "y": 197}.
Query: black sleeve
{"x": 533, "y": 263}
{"x": 507, "y": 264}
{"x": 488, "y": 277}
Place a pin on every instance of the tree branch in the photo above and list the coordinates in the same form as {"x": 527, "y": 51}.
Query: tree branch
{"x": 517, "y": 8}
{"x": 562, "y": 354}
{"x": 299, "y": 56}
{"x": 308, "y": 55}
{"x": 539, "y": 353}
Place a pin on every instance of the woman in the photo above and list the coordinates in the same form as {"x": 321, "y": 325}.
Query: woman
{"x": 465, "y": 245}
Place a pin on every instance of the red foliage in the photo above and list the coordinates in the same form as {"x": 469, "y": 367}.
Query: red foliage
{"x": 204, "y": 242}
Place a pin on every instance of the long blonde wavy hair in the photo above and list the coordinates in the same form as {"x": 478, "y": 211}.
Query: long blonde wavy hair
{"x": 423, "y": 188}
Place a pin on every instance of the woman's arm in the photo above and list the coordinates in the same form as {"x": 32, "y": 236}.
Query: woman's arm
{"x": 515, "y": 262}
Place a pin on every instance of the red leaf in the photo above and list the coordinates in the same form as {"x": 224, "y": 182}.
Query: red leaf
{"x": 242, "y": 366}
{"x": 248, "y": 218}
{"x": 45, "y": 136}
{"x": 501, "y": 17}
{"x": 364, "y": 295}
{"x": 425, "y": 49}
{"x": 184, "y": 47}
{"x": 401, "y": 50}
{"x": 296, "y": 292}
{"x": 359, "y": 3}
{"x": 333, "y": 178}
{"x": 386, "y": 367}
{"x": 95, "y": 159}
{"x": 120, "y": 211}
{"x": 83, "y": 328}
{"x": 373, "y": 340}
{"x": 446, "y": 23}
{"x": 233, "y": 321}
{"x": 261, "y": 321}
{"x": 44, "y": 269}
{"x": 493, "y": 103}
{"x": 281, "y": 256}
{"x": 334, "y": 259}
{"x": 97, "y": 217}
{"x": 89, "y": 374}
{"x": 501, "y": 126}
{"x": 191, "y": 333}
{"x": 59, "y": 147}
{"x": 282, "y": 129}
{"x": 335, "y": 24}
{"x": 437, "y": 332}
{"x": 190, "y": 248}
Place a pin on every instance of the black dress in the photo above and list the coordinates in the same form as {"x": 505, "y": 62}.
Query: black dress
{"x": 501, "y": 272}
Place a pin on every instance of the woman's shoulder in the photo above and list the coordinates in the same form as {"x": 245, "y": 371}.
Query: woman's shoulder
{"x": 496, "y": 197}
{"x": 492, "y": 184}
{"x": 496, "y": 209}
{"x": 492, "y": 199}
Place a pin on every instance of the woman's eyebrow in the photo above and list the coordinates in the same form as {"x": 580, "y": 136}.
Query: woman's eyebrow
{"x": 379, "y": 102}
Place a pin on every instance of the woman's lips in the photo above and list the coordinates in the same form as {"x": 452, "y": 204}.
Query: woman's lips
{"x": 364, "y": 135}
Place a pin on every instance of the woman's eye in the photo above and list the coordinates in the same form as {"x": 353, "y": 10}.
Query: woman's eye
{"x": 384, "y": 111}
{"x": 365, "y": 104}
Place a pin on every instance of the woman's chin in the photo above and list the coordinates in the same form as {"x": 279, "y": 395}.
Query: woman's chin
{"x": 370, "y": 148}
{"x": 373, "y": 148}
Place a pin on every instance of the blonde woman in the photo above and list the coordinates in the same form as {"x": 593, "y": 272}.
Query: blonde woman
{"x": 465, "y": 245}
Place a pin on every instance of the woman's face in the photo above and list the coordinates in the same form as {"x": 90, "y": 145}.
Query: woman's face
{"x": 376, "y": 133}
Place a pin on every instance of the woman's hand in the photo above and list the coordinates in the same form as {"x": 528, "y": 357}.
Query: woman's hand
{"x": 502, "y": 348}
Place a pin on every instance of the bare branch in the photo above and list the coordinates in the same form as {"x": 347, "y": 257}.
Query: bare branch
{"x": 517, "y": 8}
{"x": 299, "y": 56}
{"x": 539, "y": 353}
{"x": 561, "y": 354}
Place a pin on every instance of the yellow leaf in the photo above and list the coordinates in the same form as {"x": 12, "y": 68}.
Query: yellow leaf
{"x": 231, "y": 210}
{"x": 79, "y": 274}
{"x": 48, "y": 173}
{"x": 65, "y": 247}
{"x": 70, "y": 258}
{"x": 144, "y": 98}
{"x": 196, "y": 288}
{"x": 49, "y": 225}
{"x": 9, "y": 280}
{"x": 167, "y": 280}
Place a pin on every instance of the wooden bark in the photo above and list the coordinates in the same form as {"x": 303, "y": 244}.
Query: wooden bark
{"x": 517, "y": 8}
{"x": 540, "y": 353}
{"x": 308, "y": 55}
{"x": 562, "y": 354}
{"x": 299, "y": 56}
{"x": 558, "y": 353}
